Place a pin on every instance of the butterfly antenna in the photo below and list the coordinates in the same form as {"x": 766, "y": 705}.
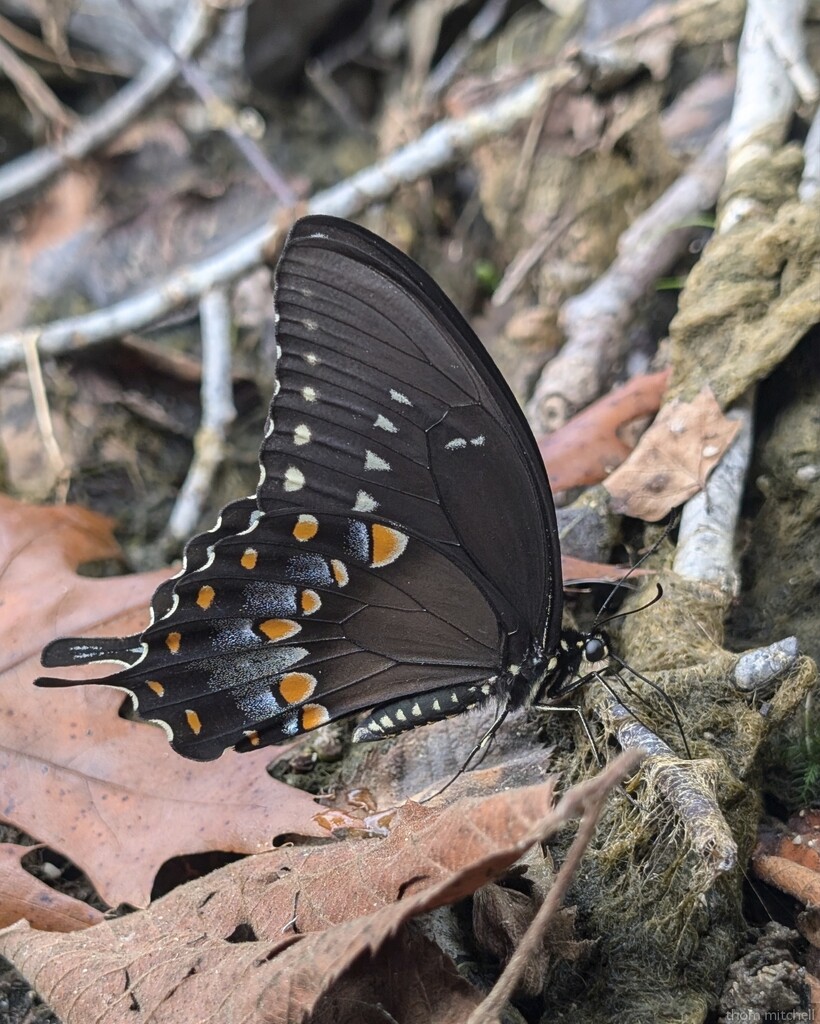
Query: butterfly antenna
{"x": 670, "y": 526}
{"x": 661, "y": 693}
{"x": 622, "y": 615}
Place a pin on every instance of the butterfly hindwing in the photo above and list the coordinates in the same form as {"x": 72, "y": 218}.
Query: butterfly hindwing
{"x": 279, "y": 634}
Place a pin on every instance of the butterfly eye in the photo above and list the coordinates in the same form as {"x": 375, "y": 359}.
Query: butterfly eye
{"x": 594, "y": 649}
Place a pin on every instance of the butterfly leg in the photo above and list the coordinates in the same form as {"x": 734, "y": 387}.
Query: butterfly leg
{"x": 574, "y": 709}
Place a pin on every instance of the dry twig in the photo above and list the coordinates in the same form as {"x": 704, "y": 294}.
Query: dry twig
{"x": 764, "y": 104}
{"x": 587, "y": 799}
{"x": 439, "y": 147}
{"x": 217, "y": 413}
{"x": 42, "y": 414}
{"x": 35, "y": 168}
{"x": 594, "y": 322}
{"x": 683, "y": 787}
{"x": 33, "y": 90}
{"x": 222, "y": 114}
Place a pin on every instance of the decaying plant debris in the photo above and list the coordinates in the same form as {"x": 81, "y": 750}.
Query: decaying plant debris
{"x": 565, "y": 164}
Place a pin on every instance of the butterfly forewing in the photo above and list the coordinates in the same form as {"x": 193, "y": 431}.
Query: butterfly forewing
{"x": 388, "y": 403}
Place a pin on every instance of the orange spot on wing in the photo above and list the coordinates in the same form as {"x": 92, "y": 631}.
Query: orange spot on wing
{"x": 172, "y": 642}
{"x": 297, "y": 686}
{"x": 205, "y": 597}
{"x": 314, "y": 715}
{"x": 311, "y": 602}
{"x": 388, "y": 544}
{"x": 279, "y": 629}
{"x": 306, "y": 528}
{"x": 194, "y": 723}
{"x": 249, "y": 558}
{"x": 252, "y": 736}
{"x": 156, "y": 687}
{"x": 340, "y": 573}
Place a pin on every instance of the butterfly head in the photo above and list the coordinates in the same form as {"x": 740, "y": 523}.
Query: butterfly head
{"x": 578, "y": 654}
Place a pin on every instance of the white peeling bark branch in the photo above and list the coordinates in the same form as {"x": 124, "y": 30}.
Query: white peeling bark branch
{"x": 595, "y": 321}
{"x": 765, "y": 100}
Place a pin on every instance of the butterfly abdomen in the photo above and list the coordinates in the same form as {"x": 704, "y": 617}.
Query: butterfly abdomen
{"x": 421, "y": 709}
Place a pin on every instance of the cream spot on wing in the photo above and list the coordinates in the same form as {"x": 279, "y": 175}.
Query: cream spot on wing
{"x": 309, "y": 393}
{"x": 279, "y": 629}
{"x": 294, "y": 479}
{"x": 457, "y": 442}
{"x": 314, "y": 715}
{"x": 340, "y": 573}
{"x": 301, "y": 434}
{"x": 365, "y": 502}
{"x": 306, "y": 528}
{"x": 374, "y": 462}
{"x": 397, "y": 396}
{"x": 383, "y": 423}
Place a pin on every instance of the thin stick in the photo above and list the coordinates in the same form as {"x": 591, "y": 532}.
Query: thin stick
{"x": 35, "y": 168}
{"x": 594, "y": 321}
{"x": 439, "y": 147}
{"x": 217, "y": 413}
{"x": 42, "y": 414}
{"x": 223, "y": 114}
{"x": 33, "y": 90}
{"x": 685, "y": 790}
{"x": 593, "y": 804}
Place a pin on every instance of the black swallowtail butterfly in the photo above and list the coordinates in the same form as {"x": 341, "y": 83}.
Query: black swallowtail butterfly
{"x": 401, "y": 551}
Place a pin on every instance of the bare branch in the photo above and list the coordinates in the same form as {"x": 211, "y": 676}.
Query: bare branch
{"x": 706, "y": 540}
{"x": 810, "y": 185}
{"x": 439, "y": 147}
{"x": 683, "y": 784}
{"x": 217, "y": 413}
{"x": 765, "y": 97}
{"x": 223, "y": 115}
{"x": 33, "y": 90}
{"x": 595, "y": 320}
{"x": 35, "y": 168}
{"x": 588, "y": 800}
{"x": 758, "y": 669}
{"x": 764, "y": 104}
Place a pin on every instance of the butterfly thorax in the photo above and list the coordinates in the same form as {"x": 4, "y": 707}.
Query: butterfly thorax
{"x": 547, "y": 678}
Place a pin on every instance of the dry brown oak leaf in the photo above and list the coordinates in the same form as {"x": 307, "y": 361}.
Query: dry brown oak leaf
{"x": 589, "y": 446}
{"x": 24, "y": 897}
{"x": 109, "y": 794}
{"x": 673, "y": 459}
{"x": 266, "y": 939}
